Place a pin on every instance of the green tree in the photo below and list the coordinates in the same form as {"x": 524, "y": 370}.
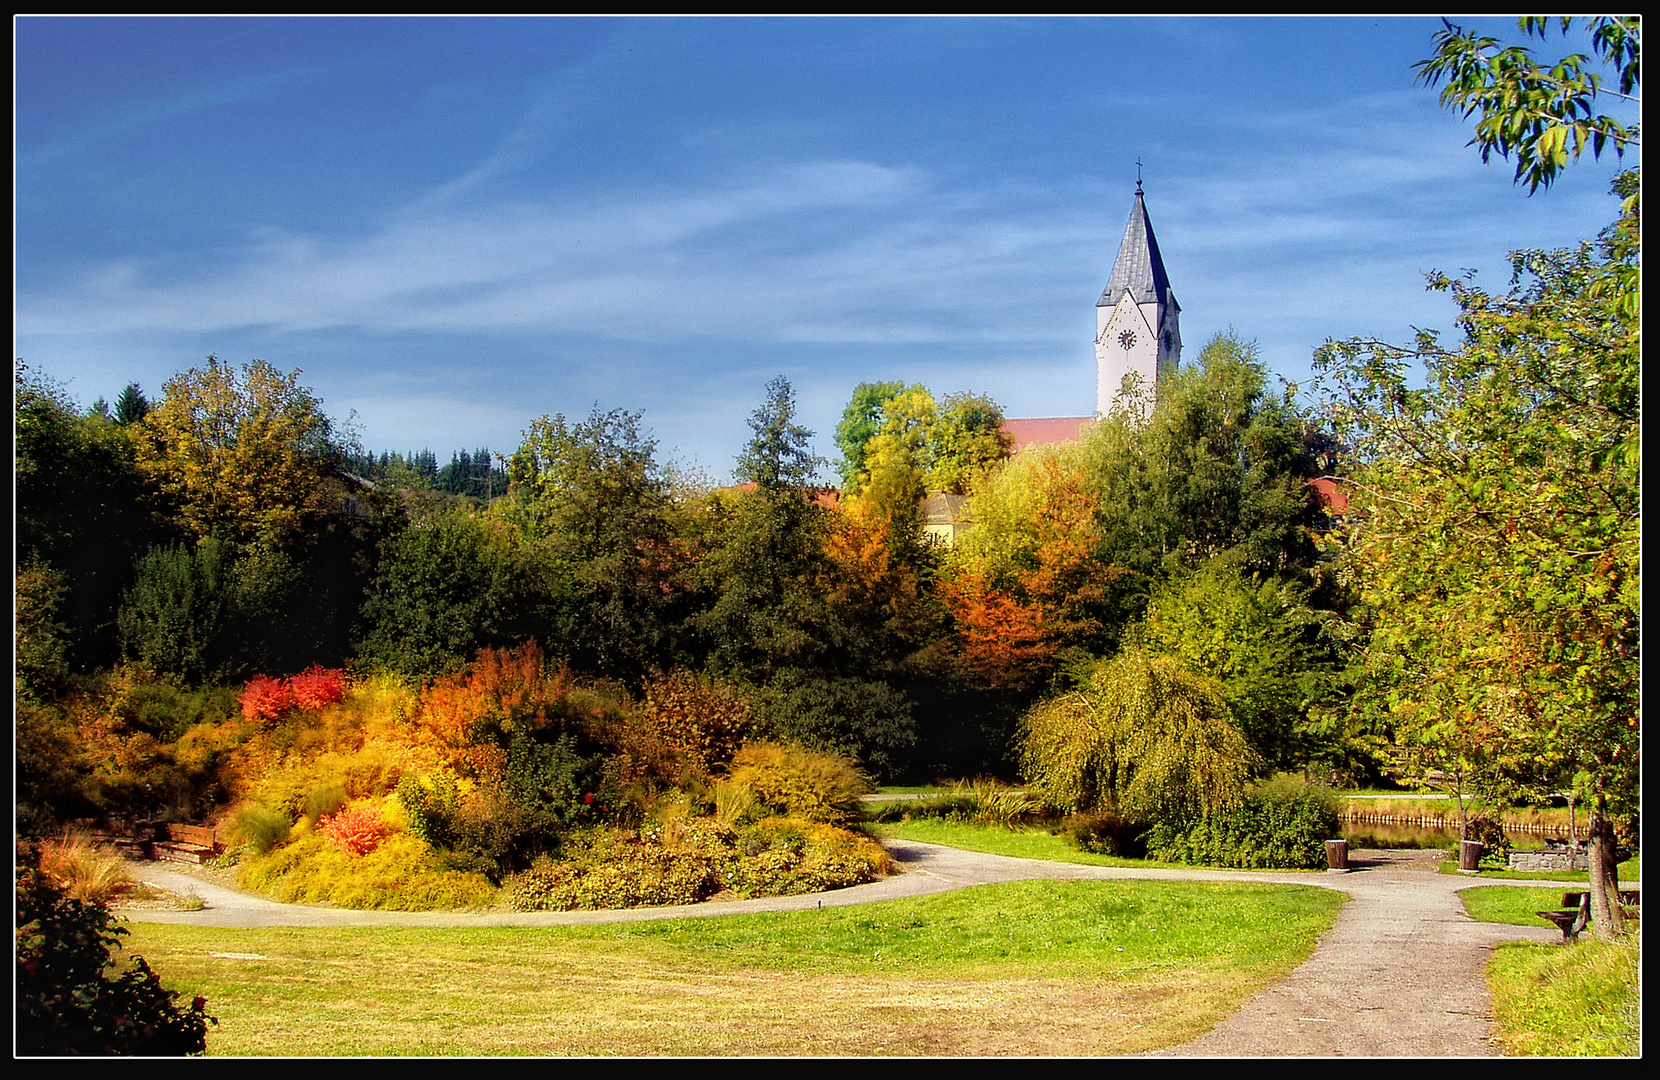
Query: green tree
{"x": 1250, "y": 633}
{"x": 446, "y": 586}
{"x": 83, "y": 512}
{"x": 768, "y": 613}
{"x": 131, "y": 406}
{"x": 1546, "y": 115}
{"x": 1220, "y": 465}
{"x": 860, "y": 421}
{"x": 1499, "y": 517}
{"x": 1500, "y": 533}
{"x": 595, "y": 505}
{"x": 1141, "y": 735}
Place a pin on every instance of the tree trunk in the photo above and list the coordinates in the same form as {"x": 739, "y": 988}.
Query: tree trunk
{"x": 1607, "y": 918}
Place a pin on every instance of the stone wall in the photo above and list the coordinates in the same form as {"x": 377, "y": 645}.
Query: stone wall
{"x": 1549, "y": 860}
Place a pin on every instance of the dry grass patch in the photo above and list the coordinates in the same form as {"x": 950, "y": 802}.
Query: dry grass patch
{"x": 901, "y": 978}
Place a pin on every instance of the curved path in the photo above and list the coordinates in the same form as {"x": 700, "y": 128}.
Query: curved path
{"x": 1401, "y": 973}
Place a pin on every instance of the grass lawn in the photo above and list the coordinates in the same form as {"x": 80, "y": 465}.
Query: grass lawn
{"x": 1021, "y": 968}
{"x": 1573, "y": 1000}
{"x": 1024, "y": 843}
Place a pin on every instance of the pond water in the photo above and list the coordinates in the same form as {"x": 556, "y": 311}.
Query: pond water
{"x": 1376, "y": 835}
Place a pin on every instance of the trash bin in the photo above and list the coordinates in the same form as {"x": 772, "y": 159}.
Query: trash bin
{"x": 1337, "y": 854}
{"x": 1469, "y": 855}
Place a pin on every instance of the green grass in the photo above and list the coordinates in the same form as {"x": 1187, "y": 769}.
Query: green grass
{"x": 1020, "y": 968}
{"x": 1031, "y": 842}
{"x": 1023, "y": 843}
{"x": 1578, "y": 1000}
{"x": 1515, "y": 907}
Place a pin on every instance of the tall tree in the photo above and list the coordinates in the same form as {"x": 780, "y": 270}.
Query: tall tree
{"x": 1500, "y": 525}
{"x": 132, "y": 406}
{"x": 594, "y": 503}
{"x": 247, "y": 456}
{"x": 767, "y": 613}
{"x": 84, "y": 513}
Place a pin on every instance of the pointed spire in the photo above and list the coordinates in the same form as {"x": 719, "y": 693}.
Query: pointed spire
{"x": 1139, "y": 269}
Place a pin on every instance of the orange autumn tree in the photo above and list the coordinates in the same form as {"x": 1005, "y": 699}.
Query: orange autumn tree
{"x": 1025, "y": 582}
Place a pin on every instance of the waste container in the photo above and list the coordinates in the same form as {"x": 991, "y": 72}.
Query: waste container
{"x": 1337, "y": 854}
{"x": 1469, "y": 855}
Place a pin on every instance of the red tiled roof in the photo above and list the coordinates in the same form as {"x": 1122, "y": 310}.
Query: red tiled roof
{"x": 1045, "y": 431}
{"x": 1332, "y": 497}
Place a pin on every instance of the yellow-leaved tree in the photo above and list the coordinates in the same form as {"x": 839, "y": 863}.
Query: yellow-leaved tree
{"x": 247, "y": 456}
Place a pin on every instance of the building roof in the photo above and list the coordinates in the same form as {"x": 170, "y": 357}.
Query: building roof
{"x": 1045, "y": 431}
{"x": 1332, "y": 497}
{"x": 1139, "y": 269}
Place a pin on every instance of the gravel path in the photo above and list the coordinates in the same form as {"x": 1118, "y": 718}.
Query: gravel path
{"x": 1400, "y": 974}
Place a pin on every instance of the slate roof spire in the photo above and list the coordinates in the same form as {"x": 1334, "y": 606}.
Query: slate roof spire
{"x": 1139, "y": 269}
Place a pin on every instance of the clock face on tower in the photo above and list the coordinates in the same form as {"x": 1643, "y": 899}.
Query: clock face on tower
{"x": 1126, "y": 340}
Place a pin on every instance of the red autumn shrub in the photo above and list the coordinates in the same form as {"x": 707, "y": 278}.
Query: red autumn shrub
{"x": 356, "y": 830}
{"x": 265, "y": 698}
{"x": 317, "y": 686}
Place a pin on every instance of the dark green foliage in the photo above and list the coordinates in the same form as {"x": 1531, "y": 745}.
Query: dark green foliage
{"x": 173, "y": 618}
{"x": 1282, "y": 823}
{"x": 765, "y": 572}
{"x": 1220, "y": 465}
{"x": 778, "y": 457}
{"x": 1107, "y": 833}
{"x": 132, "y": 406}
{"x": 82, "y": 509}
{"x": 73, "y": 998}
{"x": 446, "y": 586}
{"x": 866, "y": 720}
{"x": 41, "y": 643}
{"x": 594, "y": 504}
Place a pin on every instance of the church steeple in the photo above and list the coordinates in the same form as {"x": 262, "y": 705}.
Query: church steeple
{"x": 1137, "y": 318}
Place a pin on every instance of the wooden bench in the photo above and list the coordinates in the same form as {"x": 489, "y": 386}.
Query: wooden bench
{"x": 1576, "y": 913}
{"x": 184, "y": 843}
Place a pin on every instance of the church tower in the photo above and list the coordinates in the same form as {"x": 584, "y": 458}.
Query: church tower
{"x": 1137, "y": 318}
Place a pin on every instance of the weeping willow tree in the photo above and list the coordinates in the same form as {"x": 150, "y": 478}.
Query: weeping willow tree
{"x": 1141, "y": 735}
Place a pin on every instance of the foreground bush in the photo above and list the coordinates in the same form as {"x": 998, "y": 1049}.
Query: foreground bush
{"x": 685, "y": 862}
{"x": 401, "y": 874}
{"x": 67, "y": 1000}
{"x": 801, "y": 783}
{"x": 1279, "y": 824}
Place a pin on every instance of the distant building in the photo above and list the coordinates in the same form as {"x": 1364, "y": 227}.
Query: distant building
{"x": 1138, "y": 333}
{"x": 945, "y": 517}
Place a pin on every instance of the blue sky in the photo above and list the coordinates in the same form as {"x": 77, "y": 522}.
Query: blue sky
{"x": 453, "y": 226}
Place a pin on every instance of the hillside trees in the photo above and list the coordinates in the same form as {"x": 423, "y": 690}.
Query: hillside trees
{"x": 84, "y": 513}
{"x": 1500, "y": 526}
{"x": 771, "y": 618}
{"x": 246, "y": 464}
{"x": 594, "y": 507}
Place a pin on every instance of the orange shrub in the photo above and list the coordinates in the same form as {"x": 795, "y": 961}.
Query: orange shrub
{"x": 265, "y": 699}
{"x": 356, "y": 830}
